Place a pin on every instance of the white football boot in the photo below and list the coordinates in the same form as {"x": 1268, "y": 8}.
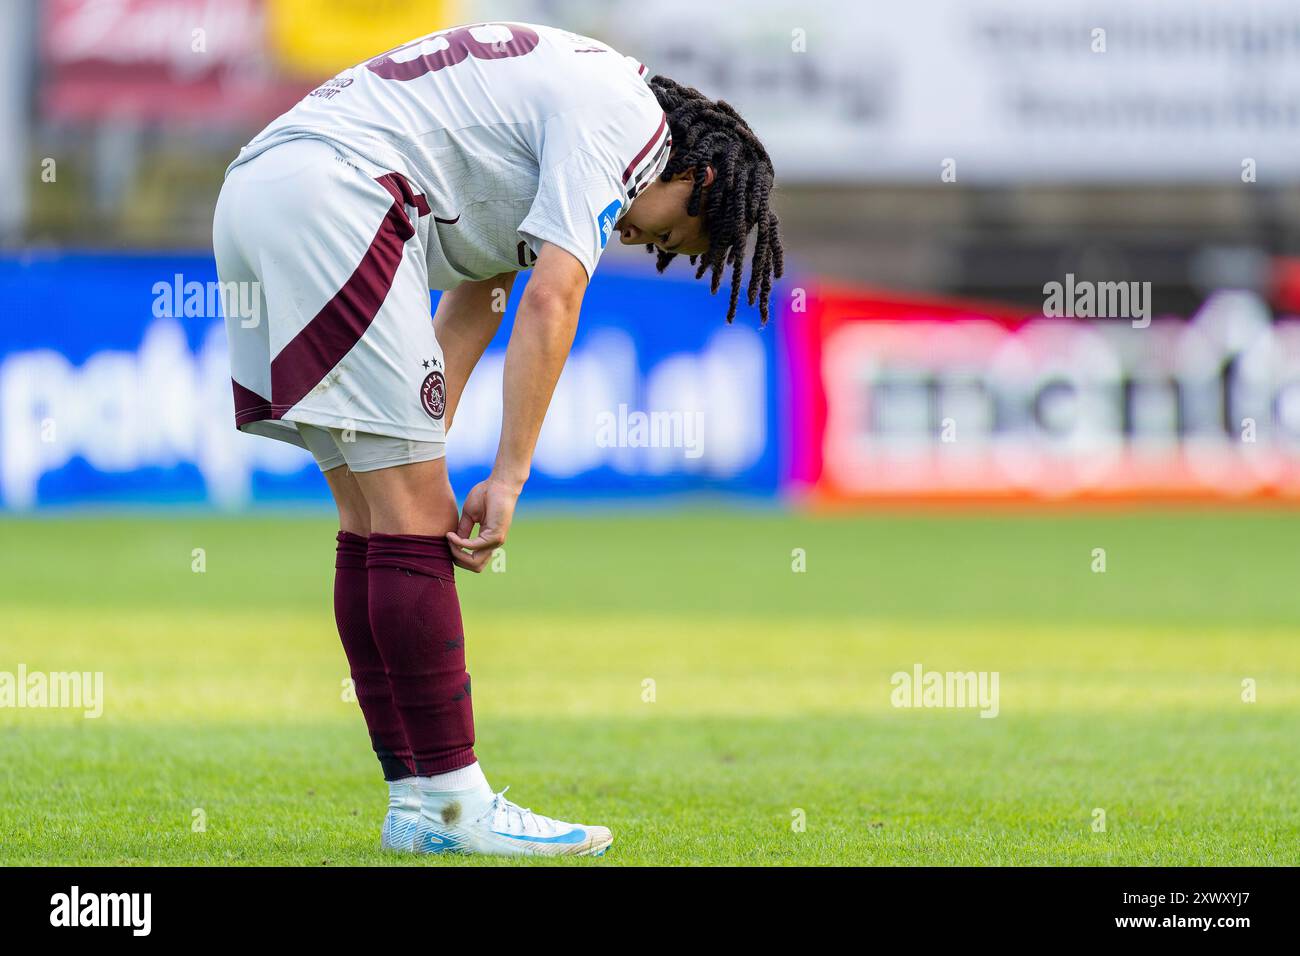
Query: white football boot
{"x": 403, "y": 816}
{"x": 463, "y": 822}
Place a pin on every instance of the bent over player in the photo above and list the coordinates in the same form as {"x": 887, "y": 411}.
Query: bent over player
{"x": 452, "y": 163}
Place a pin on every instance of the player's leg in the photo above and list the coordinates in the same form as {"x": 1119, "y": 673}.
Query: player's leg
{"x": 344, "y": 337}
{"x": 414, "y": 610}
{"x": 352, "y": 617}
{"x": 415, "y": 616}
{"x": 259, "y": 262}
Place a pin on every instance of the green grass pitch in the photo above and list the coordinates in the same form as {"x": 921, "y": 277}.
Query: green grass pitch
{"x": 1119, "y": 691}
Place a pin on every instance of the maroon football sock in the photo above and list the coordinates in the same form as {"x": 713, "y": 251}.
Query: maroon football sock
{"x": 415, "y": 618}
{"x": 369, "y": 678}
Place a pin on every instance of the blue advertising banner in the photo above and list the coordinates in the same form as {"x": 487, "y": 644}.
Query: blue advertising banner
{"x": 115, "y": 388}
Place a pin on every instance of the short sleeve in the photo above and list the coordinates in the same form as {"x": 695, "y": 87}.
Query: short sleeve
{"x": 594, "y": 161}
{"x": 579, "y": 200}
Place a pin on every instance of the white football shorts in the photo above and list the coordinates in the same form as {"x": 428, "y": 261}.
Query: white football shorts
{"x": 336, "y": 332}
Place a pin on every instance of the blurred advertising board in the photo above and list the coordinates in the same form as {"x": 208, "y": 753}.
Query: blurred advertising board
{"x": 980, "y": 90}
{"x": 895, "y": 397}
{"x": 115, "y": 388}
{"x": 151, "y": 60}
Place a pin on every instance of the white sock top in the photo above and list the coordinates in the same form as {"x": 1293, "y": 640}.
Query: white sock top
{"x": 466, "y": 778}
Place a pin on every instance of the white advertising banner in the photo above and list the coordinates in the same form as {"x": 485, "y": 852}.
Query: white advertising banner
{"x": 981, "y": 90}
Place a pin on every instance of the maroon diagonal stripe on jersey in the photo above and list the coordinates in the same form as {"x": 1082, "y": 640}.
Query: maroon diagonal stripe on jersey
{"x": 249, "y": 406}
{"x": 650, "y": 143}
{"x": 399, "y": 187}
{"x": 323, "y": 341}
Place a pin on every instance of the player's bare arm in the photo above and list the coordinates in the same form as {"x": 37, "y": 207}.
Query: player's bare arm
{"x": 539, "y": 345}
{"x": 466, "y": 320}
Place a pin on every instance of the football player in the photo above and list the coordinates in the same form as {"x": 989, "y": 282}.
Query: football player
{"x": 453, "y": 163}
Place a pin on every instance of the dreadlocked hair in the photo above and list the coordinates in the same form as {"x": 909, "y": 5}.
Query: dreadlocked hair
{"x": 711, "y": 133}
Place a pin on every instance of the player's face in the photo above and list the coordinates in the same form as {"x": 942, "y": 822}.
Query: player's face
{"x": 658, "y": 217}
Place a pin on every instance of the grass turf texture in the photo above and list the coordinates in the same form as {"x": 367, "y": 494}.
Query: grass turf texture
{"x": 1119, "y": 691}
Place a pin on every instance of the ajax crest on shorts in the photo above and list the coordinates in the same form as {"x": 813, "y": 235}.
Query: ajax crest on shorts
{"x": 433, "y": 395}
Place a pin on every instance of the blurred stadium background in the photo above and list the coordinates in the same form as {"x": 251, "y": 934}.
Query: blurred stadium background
{"x": 939, "y": 163}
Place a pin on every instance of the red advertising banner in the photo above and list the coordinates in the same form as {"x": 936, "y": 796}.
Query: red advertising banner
{"x": 892, "y": 397}
{"x": 159, "y": 59}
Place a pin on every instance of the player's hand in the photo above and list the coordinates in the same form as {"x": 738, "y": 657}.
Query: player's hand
{"x": 490, "y": 505}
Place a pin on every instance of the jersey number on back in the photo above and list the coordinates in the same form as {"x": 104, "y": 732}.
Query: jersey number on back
{"x": 460, "y": 44}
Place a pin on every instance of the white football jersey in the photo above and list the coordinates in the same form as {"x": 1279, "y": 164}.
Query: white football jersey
{"x": 516, "y": 134}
